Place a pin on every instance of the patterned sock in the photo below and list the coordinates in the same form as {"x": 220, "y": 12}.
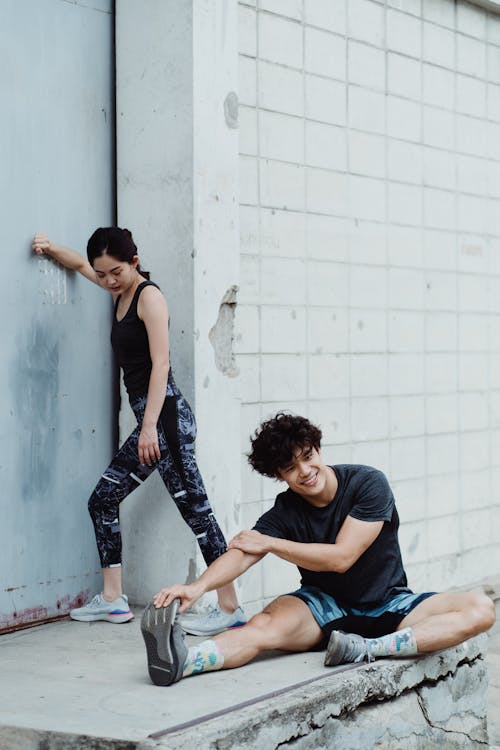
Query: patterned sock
{"x": 204, "y": 657}
{"x": 400, "y": 643}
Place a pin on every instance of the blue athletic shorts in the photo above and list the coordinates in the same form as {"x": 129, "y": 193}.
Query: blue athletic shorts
{"x": 368, "y": 622}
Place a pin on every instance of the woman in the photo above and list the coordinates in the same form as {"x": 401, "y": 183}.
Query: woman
{"x": 165, "y": 432}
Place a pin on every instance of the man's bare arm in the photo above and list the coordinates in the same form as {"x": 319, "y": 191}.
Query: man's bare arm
{"x": 225, "y": 569}
{"x": 353, "y": 539}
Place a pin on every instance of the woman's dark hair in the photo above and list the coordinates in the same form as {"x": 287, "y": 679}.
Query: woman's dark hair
{"x": 278, "y": 440}
{"x": 116, "y": 242}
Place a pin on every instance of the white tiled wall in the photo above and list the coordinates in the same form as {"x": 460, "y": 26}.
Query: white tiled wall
{"x": 370, "y": 249}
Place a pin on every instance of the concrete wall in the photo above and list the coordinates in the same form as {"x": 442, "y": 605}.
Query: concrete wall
{"x": 177, "y": 157}
{"x": 367, "y": 195}
{"x": 56, "y": 433}
{"x": 370, "y": 258}
{"x": 154, "y": 195}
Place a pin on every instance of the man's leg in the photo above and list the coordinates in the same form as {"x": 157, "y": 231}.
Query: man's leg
{"x": 443, "y": 620}
{"x": 440, "y": 621}
{"x": 286, "y": 624}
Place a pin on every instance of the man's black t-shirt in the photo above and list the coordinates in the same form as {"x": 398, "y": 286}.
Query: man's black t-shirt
{"x": 363, "y": 493}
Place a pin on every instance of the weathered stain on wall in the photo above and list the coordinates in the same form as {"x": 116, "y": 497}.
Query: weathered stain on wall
{"x": 221, "y": 335}
{"x": 19, "y": 619}
{"x": 231, "y": 110}
{"x": 34, "y": 380}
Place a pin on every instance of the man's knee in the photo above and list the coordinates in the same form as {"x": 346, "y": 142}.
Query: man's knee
{"x": 482, "y": 612}
{"x": 261, "y": 622}
{"x": 270, "y": 624}
{"x": 261, "y": 630}
{"x": 287, "y": 624}
{"x": 477, "y": 610}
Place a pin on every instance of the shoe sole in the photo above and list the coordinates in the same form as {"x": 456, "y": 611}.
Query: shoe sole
{"x": 334, "y": 654}
{"x": 164, "y": 665}
{"x": 107, "y": 617}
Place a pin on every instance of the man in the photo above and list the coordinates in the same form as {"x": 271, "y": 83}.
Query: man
{"x": 339, "y": 526}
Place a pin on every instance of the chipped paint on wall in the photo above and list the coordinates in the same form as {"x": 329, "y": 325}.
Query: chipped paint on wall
{"x": 221, "y": 335}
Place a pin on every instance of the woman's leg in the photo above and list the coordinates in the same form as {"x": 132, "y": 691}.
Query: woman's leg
{"x": 183, "y": 480}
{"x": 112, "y": 583}
{"x": 122, "y": 476}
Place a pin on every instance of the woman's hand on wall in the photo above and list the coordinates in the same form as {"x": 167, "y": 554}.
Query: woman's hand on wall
{"x": 68, "y": 258}
{"x": 41, "y": 243}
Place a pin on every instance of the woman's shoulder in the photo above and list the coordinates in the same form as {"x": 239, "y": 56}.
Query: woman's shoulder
{"x": 150, "y": 297}
{"x": 147, "y": 284}
{"x": 148, "y": 290}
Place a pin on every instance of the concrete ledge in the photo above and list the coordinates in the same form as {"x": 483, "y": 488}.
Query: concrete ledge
{"x": 410, "y": 703}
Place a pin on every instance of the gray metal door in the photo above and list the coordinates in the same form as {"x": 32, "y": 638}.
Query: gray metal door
{"x": 57, "y": 411}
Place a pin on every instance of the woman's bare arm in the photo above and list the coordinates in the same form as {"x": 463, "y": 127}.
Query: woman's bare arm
{"x": 152, "y": 310}
{"x": 68, "y": 258}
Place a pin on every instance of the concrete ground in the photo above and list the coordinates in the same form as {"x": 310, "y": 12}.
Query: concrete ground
{"x": 91, "y": 678}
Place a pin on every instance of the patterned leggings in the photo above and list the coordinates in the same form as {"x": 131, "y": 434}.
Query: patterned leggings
{"x": 179, "y": 471}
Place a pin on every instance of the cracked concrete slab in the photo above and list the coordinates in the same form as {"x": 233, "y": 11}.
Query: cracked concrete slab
{"x": 84, "y": 686}
{"x": 377, "y": 705}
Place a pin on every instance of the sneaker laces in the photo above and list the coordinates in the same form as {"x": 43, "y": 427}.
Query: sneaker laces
{"x": 355, "y": 652}
{"x": 96, "y": 602}
{"x": 213, "y": 612}
{"x": 208, "y": 610}
{"x": 364, "y": 656}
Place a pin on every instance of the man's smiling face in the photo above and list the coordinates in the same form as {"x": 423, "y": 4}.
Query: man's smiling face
{"x": 307, "y": 475}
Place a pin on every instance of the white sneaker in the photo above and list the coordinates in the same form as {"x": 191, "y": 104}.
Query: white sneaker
{"x": 100, "y": 609}
{"x": 212, "y": 621}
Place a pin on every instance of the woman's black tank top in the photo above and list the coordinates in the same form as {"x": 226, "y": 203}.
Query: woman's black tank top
{"x": 129, "y": 339}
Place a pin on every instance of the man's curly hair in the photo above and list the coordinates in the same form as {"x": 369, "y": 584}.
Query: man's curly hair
{"x": 277, "y": 441}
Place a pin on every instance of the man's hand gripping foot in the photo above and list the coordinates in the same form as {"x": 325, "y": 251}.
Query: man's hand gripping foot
{"x": 164, "y": 639}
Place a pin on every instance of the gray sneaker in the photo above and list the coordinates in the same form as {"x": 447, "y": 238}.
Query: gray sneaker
{"x": 100, "y": 609}
{"x": 346, "y": 648}
{"x": 164, "y": 639}
{"x": 212, "y": 621}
